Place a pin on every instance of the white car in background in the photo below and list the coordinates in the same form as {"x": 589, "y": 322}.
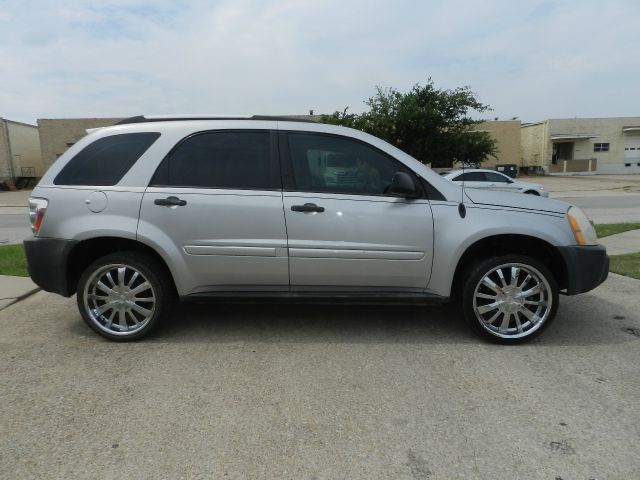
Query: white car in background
{"x": 480, "y": 178}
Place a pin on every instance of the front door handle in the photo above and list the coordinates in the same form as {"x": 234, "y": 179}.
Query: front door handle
{"x": 307, "y": 207}
{"x": 170, "y": 202}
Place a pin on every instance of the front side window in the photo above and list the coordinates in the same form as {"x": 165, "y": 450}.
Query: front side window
{"x": 332, "y": 164}
{"x": 600, "y": 147}
{"x": 221, "y": 159}
{"x": 496, "y": 177}
{"x": 471, "y": 177}
{"x": 105, "y": 161}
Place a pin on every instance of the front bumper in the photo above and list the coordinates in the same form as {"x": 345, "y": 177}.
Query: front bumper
{"x": 587, "y": 267}
{"x": 47, "y": 260}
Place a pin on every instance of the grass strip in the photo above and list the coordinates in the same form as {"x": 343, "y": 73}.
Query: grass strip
{"x": 627, "y": 264}
{"x": 13, "y": 261}
{"x": 606, "y": 229}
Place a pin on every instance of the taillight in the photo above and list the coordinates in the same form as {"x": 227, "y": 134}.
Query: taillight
{"x": 37, "y": 209}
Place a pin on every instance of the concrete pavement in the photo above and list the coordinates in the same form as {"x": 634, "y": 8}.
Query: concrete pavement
{"x": 294, "y": 392}
{"x": 621, "y": 243}
{"x": 13, "y": 289}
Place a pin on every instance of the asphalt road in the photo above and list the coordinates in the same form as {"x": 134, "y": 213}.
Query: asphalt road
{"x": 294, "y": 392}
{"x": 609, "y": 208}
{"x": 14, "y": 224}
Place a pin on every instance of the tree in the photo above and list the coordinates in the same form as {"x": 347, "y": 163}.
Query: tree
{"x": 430, "y": 124}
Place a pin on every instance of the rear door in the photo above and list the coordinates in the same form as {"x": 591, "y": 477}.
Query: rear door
{"x": 345, "y": 231}
{"x": 214, "y": 207}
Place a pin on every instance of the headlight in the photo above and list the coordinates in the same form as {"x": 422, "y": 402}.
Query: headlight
{"x": 582, "y": 229}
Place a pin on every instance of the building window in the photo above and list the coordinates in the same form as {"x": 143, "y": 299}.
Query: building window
{"x": 600, "y": 147}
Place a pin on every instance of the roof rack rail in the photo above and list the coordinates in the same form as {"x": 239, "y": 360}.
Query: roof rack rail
{"x": 169, "y": 118}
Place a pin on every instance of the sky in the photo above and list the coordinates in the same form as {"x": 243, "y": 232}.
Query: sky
{"x": 113, "y": 58}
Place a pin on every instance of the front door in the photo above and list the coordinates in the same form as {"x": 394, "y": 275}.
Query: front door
{"x": 215, "y": 208}
{"x": 344, "y": 229}
{"x": 497, "y": 181}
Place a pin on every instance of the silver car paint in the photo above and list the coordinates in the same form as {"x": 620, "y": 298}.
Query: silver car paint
{"x": 516, "y": 200}
{"x": 69, "y": 216}
{"x": 359, "y": 241}
{"x": 488, "y": 213}
{"x": 220, "y": 237}
{"x": 453, "y": 235}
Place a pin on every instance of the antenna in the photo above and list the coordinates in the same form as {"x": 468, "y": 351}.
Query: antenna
{"x": 462, "y": 210}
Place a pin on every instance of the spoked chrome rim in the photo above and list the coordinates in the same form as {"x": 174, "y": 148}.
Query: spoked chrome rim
{"x": 119, "y": 299}
{"x": 512, "y": 300}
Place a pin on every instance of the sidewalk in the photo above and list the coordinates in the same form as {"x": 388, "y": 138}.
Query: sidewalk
{"x": 13, "y": 289}
{"x": 621, "y": 243}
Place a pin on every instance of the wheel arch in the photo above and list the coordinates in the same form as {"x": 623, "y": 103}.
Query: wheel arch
{"x": 504, "y": 244}
{"x": 87, "y": 251}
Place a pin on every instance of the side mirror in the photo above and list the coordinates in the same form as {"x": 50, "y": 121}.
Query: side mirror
{"x": 403, "y": 185}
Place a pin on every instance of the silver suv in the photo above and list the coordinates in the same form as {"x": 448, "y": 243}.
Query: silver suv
{"x": 155, "y": 209}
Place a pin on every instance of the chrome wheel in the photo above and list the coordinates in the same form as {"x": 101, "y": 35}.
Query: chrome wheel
{"x": 119, "y": 300}
{"x": 512, "y": 300}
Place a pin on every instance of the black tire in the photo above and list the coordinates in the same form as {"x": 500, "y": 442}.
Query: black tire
{"x": 525, "y": 317}
{"x": 99, "y": 305}
{"x": 532, "y": 192}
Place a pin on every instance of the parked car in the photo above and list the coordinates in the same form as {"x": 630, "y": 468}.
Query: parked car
{"x": 135, "y": 216}
{"x": 480, "y": 178}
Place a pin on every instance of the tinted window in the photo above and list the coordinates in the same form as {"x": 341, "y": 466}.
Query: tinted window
{"x": 105, "y": 161}
{"x": 323, "y": 163}
{"x": 221, "y": 160}
{"x": 470, "y": 177}
{"x": 495, "y": 177}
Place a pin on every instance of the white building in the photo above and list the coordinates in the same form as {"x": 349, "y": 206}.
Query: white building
{"x": 590, "y": 145}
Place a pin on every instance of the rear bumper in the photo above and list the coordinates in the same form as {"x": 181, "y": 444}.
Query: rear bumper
{"x": 587, "y": 267}
{"x": 47, "y": 263}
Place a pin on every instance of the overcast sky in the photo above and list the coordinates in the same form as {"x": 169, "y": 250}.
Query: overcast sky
{"x": 530, "y": 59}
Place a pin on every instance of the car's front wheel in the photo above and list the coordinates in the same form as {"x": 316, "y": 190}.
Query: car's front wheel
{"x": 509, "y": 299}
{"x": 123, "y": 296}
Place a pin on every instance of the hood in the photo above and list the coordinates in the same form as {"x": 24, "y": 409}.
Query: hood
{"x": 515, "y": 200}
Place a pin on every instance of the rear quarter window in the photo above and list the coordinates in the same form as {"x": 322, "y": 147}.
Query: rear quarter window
{"x": 105, "y": 161}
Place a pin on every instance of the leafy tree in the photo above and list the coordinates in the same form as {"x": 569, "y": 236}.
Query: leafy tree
{"x": 429, "y": 124}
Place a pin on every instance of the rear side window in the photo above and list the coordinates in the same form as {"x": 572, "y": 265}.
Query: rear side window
{"x": 220, "y": 159}
{"x": 105, "y": 161}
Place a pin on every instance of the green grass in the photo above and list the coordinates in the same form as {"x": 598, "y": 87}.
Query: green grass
{"x": 13, "y": 261}
{"x": 627, "y": 264}
{"x": 606, "y": 229}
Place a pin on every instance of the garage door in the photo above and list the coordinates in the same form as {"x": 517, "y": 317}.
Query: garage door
{"x": 632, "y": 148}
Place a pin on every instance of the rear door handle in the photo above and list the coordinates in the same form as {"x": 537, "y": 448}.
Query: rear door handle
{"x": 307, "y": 207}
{"x": 170, "y": 202}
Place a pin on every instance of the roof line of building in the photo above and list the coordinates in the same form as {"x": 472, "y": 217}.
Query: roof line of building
{"x": 19, "y": 123}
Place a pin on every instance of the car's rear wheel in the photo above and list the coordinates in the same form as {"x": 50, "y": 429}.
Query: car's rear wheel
{"x": 509, "y": 299}
{"x": 123, "y": 296}
{"x": 532, "y": 192}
